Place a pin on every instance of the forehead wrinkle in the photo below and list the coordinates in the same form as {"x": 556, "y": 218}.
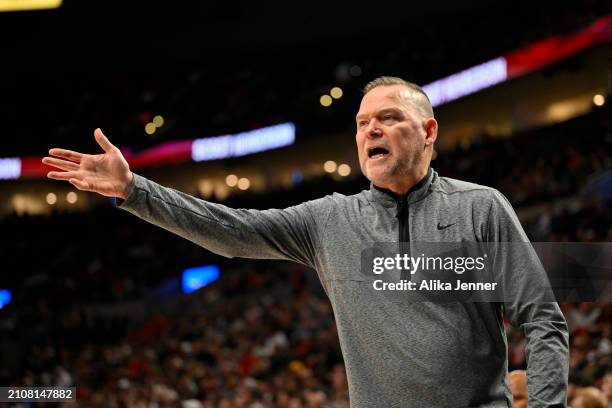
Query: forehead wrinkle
{"x": 383, "y": 109}
{"x": 387, "y": 100}
{"x": 408, "y": 101}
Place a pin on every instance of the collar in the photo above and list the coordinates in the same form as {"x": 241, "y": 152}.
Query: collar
{"x": 389, "y": 199}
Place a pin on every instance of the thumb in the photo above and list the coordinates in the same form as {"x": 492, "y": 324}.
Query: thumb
{"x": 103, "y": 141}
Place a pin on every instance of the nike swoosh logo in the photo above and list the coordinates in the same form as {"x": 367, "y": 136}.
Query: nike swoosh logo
{"x": 441, "y": 227}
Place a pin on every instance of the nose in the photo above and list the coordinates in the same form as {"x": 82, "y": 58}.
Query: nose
{"x": 373, "y": 129}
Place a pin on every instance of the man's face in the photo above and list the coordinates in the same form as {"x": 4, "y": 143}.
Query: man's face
{"x": 391, "y": 135}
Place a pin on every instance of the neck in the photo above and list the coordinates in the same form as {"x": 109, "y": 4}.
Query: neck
{"x": 407, "y": 183}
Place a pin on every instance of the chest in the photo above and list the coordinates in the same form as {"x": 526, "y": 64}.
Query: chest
{"x": 355, "y": 232}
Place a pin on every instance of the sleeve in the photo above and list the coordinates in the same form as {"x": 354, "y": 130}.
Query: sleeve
{"x": 289, "y": 234}
{"x": 527, "y": 304}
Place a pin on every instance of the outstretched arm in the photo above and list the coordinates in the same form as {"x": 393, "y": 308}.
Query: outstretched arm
{"x": 291, "y": 234}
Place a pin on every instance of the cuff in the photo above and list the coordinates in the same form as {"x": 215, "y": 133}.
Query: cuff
{"x": 137, "y": 181}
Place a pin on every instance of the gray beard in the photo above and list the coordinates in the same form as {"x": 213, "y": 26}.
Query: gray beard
{"x": 407, "y": 168}
{"x": 401, "y": 169}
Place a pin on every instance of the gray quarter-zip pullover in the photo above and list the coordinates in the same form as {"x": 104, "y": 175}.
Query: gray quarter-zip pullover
{"x": 397, "y": 354}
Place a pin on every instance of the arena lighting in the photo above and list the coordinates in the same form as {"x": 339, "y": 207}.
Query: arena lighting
{"x": 206, "y": 188}
{"x": 22, "y": 5}
{"x": 71, "y": 197}
{"x": 5, "y": 297}
{"x": 336, "y": 92}
{"x": 467, "y": 82}
{"x": 344, "y": 170}
{"x": 244, "y": 183}
{"x": 51, "y": 198}
{"x": 599, "y": 100}
{"x": 231, "y": 180}
{"x": 158, "y": 120}
{"x": 253, "y": 141}
{"x": 330, "y": 166}
{"x": 10, "y": 168}
{"x": 325, "y": 100}
{"x": 150, "y": 128}
{"x": 519, "y": 62}
{"x": 198, "y": 277}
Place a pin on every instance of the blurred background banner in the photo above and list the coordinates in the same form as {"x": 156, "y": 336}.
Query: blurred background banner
{"x": 253, "y": 105}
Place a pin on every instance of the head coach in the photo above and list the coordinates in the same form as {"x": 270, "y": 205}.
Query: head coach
{"x": 424, "y": 354}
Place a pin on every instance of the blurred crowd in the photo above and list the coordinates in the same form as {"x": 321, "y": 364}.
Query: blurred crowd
{"x": 258, "y": 338}
{"x": 537, "y": 165}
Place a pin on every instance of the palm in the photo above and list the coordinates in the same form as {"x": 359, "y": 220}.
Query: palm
{"x": 102, "y": 172}
{"x": 107, "y": 174}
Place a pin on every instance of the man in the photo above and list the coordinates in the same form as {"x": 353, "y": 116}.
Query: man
{"x": 397, "y": 354}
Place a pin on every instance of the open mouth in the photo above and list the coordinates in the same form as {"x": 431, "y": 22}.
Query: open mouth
{"x": 377, "y": 152}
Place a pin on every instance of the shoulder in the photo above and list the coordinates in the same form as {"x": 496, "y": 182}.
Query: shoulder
{"x": 338, "y": 199}
{"x": 447, "y": 185}
{"x": 338, "y": 203}
{"x": 324, "y": 205}
{"x": 482, "y": 196}
{"x": 357, "y": 200}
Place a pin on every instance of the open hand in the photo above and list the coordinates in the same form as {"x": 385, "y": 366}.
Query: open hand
{"x": 107, "y": 174}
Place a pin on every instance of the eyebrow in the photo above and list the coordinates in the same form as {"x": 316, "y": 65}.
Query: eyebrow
{"x": 381, "y": 111}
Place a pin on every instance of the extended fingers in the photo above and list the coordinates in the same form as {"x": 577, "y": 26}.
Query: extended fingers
{"x": 103, "y": 141}
{"x": 62, "y": 175}
{"x": 67, "y": 154}
{"x": 60, "y": 164}
{"x": 80, "y": 184}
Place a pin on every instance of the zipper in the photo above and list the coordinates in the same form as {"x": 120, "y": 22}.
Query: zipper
{"x": 404, "y": 232}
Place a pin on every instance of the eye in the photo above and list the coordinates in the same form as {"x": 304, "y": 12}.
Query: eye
{"x": 362, "y": 123}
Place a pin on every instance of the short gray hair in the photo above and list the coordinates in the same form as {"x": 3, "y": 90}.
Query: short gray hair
{"x": 425, "y": 103}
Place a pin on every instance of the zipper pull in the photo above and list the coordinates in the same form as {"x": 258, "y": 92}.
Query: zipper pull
{"x": 402, "y": 204}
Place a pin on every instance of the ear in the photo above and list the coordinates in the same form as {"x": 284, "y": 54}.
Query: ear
{"x": 431, "y": 129}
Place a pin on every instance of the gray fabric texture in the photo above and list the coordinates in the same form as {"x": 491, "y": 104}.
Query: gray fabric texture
{"x": 396, "y": 354}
